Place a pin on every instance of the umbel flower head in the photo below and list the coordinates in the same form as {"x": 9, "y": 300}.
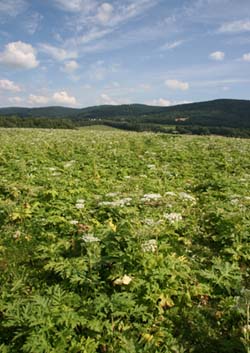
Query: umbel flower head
{"x": 122, "y": 281}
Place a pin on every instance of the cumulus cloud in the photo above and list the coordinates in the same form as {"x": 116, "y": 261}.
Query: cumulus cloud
{"x": 246, "y": 57}
{"x": 108, "y": 100}
{"x": 217, "y": 56}
{"x": 19, "y": 55}
{"x": 177, "y": 85}
{"x": 57, "y": 53}
{"x": 64, "y": 98}
{"x": 38, "y": 100}
{"x": 15, "y": 100}
{"x": 61, "y": 98}
{"x": 7, "y": 85}
{"x": 161, "y": 102}
{"x": 104, "y": 13}
{"x": 70, "y": 66}
{"x": 235, "y": 27}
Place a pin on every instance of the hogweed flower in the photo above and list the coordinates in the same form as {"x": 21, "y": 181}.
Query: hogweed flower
{"x": 149, "y": 245}
{"x": 89, "y": 238}
{"x": 125, "y": 280}
{"x": 187, "y": 197}
{"x": 150, "y": 197}
{"x": 173, "y": 217}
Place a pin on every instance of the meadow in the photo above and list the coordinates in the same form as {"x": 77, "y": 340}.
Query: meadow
{"x": 123, "y": 242}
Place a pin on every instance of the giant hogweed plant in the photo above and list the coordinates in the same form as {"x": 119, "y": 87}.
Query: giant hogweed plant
{"x": 123, "y": 242}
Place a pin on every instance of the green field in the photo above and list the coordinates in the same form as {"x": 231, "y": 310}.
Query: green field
{"x": 123, "y": 242}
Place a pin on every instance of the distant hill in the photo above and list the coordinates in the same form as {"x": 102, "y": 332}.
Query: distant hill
{"x": 221, "y": 112}
{"x": 229, "y": 117}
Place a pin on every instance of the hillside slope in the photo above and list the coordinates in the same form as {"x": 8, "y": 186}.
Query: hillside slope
{"x": 222, "y": 112}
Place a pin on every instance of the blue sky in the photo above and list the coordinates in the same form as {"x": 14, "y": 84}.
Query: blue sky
{"x": 85, "y": 52}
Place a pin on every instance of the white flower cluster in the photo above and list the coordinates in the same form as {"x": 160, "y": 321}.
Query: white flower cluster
{"x": 149, "y": 246}
{"x": 74, "y": 222}
{"x": 112, "y": 194}
{"x": 80, "y": 204}
{"x": 187, "y": 197}
{"x": 118, "y": 203}
{"x": 151, "y": 222}
{"x": 170, "y": 193}
{"x": 173, "y": 217}
{"x": 125, "y": 280}
{"x": 89, "y": 238}
{"x": 150, "y": 197}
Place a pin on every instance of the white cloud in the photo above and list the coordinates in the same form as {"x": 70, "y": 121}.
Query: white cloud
{"x": 217, "y": 55}
{"x": 64, "y": 98}
{"x": 32, "y": 22}
{"x": 70, "y": 66}
{"x": 15, "y": 100}
{"x": 175, "y": 84}
{"x": 108, "y": 100}
{"x": 246, "y": 57}
{"x": 172, "y": 45}
{"x": 76, "y": 5}
{"x": 38, "y": 100}
{"x": 161, "y": 102}
{"x": 7, "y": 85}
{"x": 56, "y": 53}
{"x": 19, "y": 55}
{"x": 235, "y": 27}
{"x": 104, "y": 13}
{"x": 12, "y": 7}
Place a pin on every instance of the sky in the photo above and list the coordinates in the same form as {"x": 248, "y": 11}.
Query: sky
{"x": 81, "y": 53}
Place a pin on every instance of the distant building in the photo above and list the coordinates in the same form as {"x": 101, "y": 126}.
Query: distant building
{"x": 178, "y": 119}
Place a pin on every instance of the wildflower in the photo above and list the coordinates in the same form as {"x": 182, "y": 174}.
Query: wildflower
{"x": 73, "y": 222}
{"x": 89, "y": 238}
{"x": 80, "y": 206}
{"x": 173, "y": 217}
{"x": 149, "y": 246}
{"x": 170, "y": 193}
{"x": 125, "y": 280}
{"x": 112, "y": 194}
{"x": 185, "y": 196}
{"x": 150, "y": 197}
{"x": 151, "y": 222}
{"x": 118, "y": 203}
{"x": 17, "y": 234}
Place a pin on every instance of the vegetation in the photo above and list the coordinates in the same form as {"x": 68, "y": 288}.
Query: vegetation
{"x": 122, "y": 242}
{"x": 224, "y": 117}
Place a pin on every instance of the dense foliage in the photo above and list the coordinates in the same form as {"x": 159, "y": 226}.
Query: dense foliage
{"x": 123, "y": 242}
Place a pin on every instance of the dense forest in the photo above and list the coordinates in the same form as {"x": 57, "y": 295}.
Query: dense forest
{"x": 224, "y": 117}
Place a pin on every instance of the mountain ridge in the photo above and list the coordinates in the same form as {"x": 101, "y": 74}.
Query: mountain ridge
{"x": 231, "y": 113}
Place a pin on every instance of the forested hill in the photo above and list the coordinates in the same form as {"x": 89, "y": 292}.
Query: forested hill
{"x": 221, "y": 113}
